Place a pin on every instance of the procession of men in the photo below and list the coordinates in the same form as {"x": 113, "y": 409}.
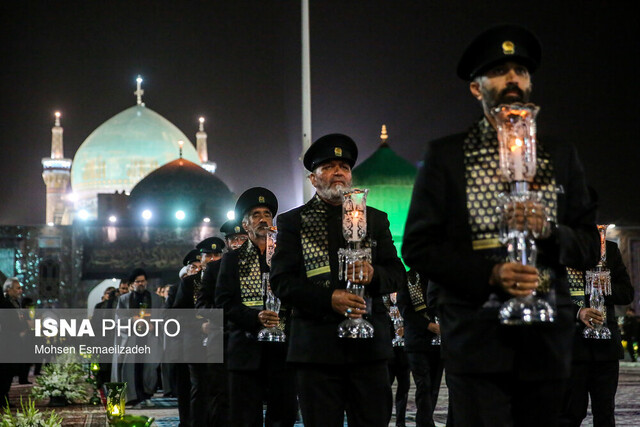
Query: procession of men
{"x": 461, "y": 274}
{"x": 457, "y": 276}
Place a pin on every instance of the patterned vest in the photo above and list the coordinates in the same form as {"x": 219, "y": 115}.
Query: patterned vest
{"x": 250, "y": 275}
{"x": 484, "y": 186}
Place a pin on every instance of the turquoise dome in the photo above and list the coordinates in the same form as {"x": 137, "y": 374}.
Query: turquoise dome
{"x": 122, "y": 151}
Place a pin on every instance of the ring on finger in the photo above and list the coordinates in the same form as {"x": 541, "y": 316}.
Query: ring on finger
{"x": 349, "y": 310}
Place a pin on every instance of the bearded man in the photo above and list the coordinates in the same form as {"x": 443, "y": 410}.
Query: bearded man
{"x": 498, "y": 374}
{"x": 335, "y": 374}
{"x": 257, "y": 370}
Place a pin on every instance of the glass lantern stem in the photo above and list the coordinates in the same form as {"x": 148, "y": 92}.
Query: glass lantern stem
{"x": 602, "y": 229}
{"x": 519, "y": 187}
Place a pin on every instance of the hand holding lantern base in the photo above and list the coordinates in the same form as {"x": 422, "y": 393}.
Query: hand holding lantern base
{"x": 354, "y": 328}
{"x": 516, "y": 232}
{"x": 354, "y": 230}
{"x": 272, "y": 303}
{"x": 398, "y": 322}
{"x": 598, "y": 284}
{"x": 436, "y": 340}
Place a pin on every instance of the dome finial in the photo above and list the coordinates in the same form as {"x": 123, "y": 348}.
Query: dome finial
{"x": 201, "y": 120}
{"x": 57, "y": 114}
{"x": 383, "y": 135}
{"x": 180, "y": 143}
{"x": 139, "y": 92}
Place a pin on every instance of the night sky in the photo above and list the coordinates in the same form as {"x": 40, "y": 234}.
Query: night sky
{"x": 237, "y": 63}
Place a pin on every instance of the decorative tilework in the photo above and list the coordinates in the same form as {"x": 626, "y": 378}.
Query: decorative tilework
{"x": 250, "y": 275}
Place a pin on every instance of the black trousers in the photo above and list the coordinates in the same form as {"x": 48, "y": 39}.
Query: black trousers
{"x": 488, "y": 400}
{"x": 360, "y": 389}
{"x": 399, "y": 370}
{"x": 200, "y": 394}
{"x": 219, "y": 408}
{"x": 7, "y": 372}
{"x": 598, "y": 380}
{"x": 273, "y": 382}
{"x": 427, "y": 368}
{"x": 183, "y": 391}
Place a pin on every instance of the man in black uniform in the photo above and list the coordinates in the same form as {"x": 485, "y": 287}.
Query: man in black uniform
{"x": 174, "y": 351}
{"x": 595, "y": 367}
{"x": 335, "y": 374}
{"x": 210, "y": 252}
{"x": 257, "y": 370}
{"x": 234, "y": 233}
{"x": 235, "y": 236}
{"x": 497, "y": 374}
{"x": 420, "y": 328}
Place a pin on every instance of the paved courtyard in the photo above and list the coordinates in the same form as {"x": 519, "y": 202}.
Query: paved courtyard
{"x": 165, "y": 410}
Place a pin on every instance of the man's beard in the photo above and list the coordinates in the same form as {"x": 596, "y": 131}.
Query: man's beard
{"x": 492, "y": 98}
{"x": 332, "y": 194}
{"x": 259, "y": 231}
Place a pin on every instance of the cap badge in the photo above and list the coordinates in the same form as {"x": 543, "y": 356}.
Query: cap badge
{"x": 508, "y": 48}
{"x": 213, "y": 246}
{"x": 236, "y": 229}
{"x": 261, "y": 199}
{"x": 337, "y": 151}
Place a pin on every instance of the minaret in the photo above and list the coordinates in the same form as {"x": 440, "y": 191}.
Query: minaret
{"x": 201, "y": 147}
{"x": 56, "y": 174}
{"x": 383, "y": 135}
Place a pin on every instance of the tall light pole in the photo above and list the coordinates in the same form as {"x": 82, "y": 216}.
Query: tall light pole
{"x": 307, "y": 189}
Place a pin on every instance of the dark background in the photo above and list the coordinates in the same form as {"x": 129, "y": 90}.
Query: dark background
{"x": 237, "y": 63}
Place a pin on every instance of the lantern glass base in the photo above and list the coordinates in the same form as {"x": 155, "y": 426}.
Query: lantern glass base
{"x": 355, "y": 328}
{"x": 603, "y": 333}
{"x": 525, "y": 311}
{"x": 271, "y": 335}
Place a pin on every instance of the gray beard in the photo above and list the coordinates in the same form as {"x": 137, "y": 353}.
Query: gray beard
{"x": 332, "y": 194}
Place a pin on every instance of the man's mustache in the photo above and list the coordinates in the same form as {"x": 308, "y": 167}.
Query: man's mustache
{"x": 512, "y": 87}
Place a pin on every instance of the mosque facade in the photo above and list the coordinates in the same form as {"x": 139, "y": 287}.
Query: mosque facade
{"x": 116, "y": 206}
{"x": 113, "y": 159}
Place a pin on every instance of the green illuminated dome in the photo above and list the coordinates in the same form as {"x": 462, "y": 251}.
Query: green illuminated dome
{"x": 389, "y": 179}
{"x": 122, "y": 151}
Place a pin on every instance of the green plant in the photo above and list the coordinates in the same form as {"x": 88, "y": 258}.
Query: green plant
{"x": 65, "y": 379}
{"x": 29, "y": 416}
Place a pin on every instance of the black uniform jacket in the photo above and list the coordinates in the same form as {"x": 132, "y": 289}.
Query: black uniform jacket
{"x": 206, "y": 300}
{"x": 193, "y": 336}
{"x": 417, "y": 336}
{"x": 621, "y": 294}
{"x": 314, "y": 324}
{"x": 438, "y": 244}
{"x": 244, "y": 351}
